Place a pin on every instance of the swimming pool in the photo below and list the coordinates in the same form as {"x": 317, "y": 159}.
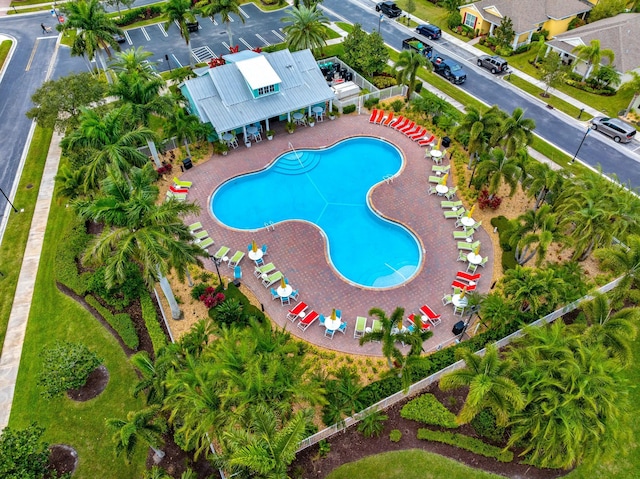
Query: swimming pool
{"x": 329, "y": 188}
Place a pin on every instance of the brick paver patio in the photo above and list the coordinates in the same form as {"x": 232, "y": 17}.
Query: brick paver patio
{"x": 298, "y": 249}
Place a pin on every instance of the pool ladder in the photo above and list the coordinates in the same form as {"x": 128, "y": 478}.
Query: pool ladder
{"x": 269, "y": 225}
{"x": 388, "y": 179}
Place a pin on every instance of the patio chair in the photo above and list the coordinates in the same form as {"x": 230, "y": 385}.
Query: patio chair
{"x": 463, "y": 245}
{"x": 428, "y": 312}
{"x": 396, "y": 121}
{"x": 374, "y": 114}
{"x": 432, "y": 190}
{"x": 388, "y": 120}
{"x": 264, "y": 250}
{"x": 401, "y": 124}
{"x": 410, "y": 126}
{"x": 463, "y": 234}
{"x": 459, "y": 285}
{"x": 308, "y": 320}
{"x": 205, "y": 243}
{"x": 458, "y": 310}
{"x": 174, "y": 189}
{"x": 272, "y": 278}
{"x": 195, "y": 226}
{"x": 235, "y": 259}
{"x": 417, "y": 135}
{"x": 426, "y": 141}
{"x": 361, "y": 327}
{"x": 200, "y": 234}
{"x": 450, "y": 214}
{"x": 328, "y": 333}
{"x": 221, "y": 253}
{"x": 451, "y": 194}
{"x": 295, "y": 294}
{"x": 274, "y": 294}
{"x": 440, "y": 168}
{"x": 447, "y": 299}
{"x": 322, "y": 319}
{"x": 435, "y": 179}
{"x": 484, "y": 261}
{"x": 258, "y": 261}
{"x": 462, "y": 256}
{"x": 237, "y": 273}
{"x": 294, "y": 313}
{"x": 284, "y": 300}
{"x": 176, "y": 196}
{"x": 477, "y": 225}
{"x": 468, "y": 277}
{"x": 471, "y": 268}
{"x": 343, "y": 327}
{"x": 182, "y": 184}
{"x": 264, "y": 269}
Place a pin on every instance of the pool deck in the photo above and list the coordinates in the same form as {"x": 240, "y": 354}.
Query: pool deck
{"x": 298, "y": 248}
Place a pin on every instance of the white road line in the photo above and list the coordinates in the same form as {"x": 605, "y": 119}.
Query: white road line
{"x": 176, "y": 60}
{"x": 266, "y": 43}
{"x": 161, "y": 27}
{"x": 144, "y": 32}
{"x": 245, "y": 43}
{"x": 213, "y": 20}
{"x": 226, "y": 46}
{"x": 277, "y": 35}
{"x": 244, "y": 14}
{"x": 128, "y": 38}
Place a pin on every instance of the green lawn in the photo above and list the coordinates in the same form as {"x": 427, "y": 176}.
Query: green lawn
{"x": 5, "y": 46}
{"x": 56, "y": 317}
{"x": 430, "y": 13}
{"x": 409, "y": 464}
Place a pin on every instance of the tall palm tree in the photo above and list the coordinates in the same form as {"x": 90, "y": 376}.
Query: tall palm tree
{"x": 224, "y": 8}
{"x": 133, "y": 60}
{"x": 497, "y": 168}
{"x": 516, "y": 131}
{"x": 139, "y": 230}
{"x": 481, "y": 129}
{"x": 183, "y": 126}
{"x": 592, "y": 54}
{"x": 306, "y": 28}
{"x": 108, "y": 141}
{"x": 541, "y": 181}
{"x": 535, "y": 231}
{"x": 94, "y": 28}
{"x": 407, "y": 66}
{"x": 624, "y": 259}
{"x": 179, "y": 11}
{"x": 490, "y": 387}
{"x": 146, "y": 426}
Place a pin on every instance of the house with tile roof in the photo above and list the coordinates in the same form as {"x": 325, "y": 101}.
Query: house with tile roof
{"x": 618, "y": 34}
{"x": 527, "y": 16}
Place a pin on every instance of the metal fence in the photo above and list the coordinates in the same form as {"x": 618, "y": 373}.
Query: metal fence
{"x": 169, "y": 144}
{"x": 428, "y": 381}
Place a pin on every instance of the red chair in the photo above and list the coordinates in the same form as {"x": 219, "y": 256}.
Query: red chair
{"x": 428, "y": 312}
{"x": 412, "y": 131}
{"x": 173, "y": 189}
{"x": 426, "y": 141}
{"x": 423, "y": 325}
{"x": 458, "y": 284}
{"x": 387, "y": 120}
{"x": 308, "y": 320}
{"x": 418, "y": 135}
{"x": 468, "y": 277}
{"x": 294, "y": 313}
{"x": 374, "y": 114}
{"x": 409, "y": 127}
{"x": 379, "y": 116}
{"x": 398, "y": 125}
{"x": 397, "y": 120}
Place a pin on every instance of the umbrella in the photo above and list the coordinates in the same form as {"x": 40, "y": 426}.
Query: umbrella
{"x": 444, "y": 179}
{"x": 477, "y": 251}
{"x": 463, "y": 292}
{"x": 333, "y": 313}
{"x": 439, "y": 143}
{"x": 470, "y": 213}
{"x": 283, "y": 283}
{"x": 254, "y": 246}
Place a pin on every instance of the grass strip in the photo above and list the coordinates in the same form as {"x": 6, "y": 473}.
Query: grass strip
{"x": 5, "y": 46}
{"x": 467, "y": 443}
{"x": 150, "y": 317}
{"x": 121, "y": 322}
{"x": 17, "y": 232}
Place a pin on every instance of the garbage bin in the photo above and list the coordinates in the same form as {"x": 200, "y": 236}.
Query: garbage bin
{"x": 187, "y": 163}
{"x": 446, "y": 142}
{"x": 458, "y": 328}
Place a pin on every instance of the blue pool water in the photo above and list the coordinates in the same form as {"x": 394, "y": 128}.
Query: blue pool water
{"x": 330, "y": 189}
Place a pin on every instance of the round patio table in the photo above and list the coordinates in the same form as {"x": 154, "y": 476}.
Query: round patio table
{"x": 284, "y": 292}
{"x": 255, "y": 255}
{"x": 474, "y": 258}
{"x": 458, "y": 301}
{"x": 332, "y": 324}
{"x": 442, "y": 189}
{"x": 467, "y": 222}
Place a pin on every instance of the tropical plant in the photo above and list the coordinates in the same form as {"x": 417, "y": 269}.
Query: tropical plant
{"x": 516, "y": 131}
{"x": 541, "y": 180}
{"x": 592, "y": 55}
{"x": 224, "y": 8}
{"x": 22, "y": 455}
{"x": 306, "y": 29}
{"x": 365, "y": 52}
{"x": 504, "y": 33}
{"x": 343, "y": 395}
{"x": 552, "y": 71}
{"x": 184, "y": 127}
{"x": 481, "y": 129}
{"x": 496, "y": 168}
{"x": 534, "y": 232}
{"x": 489, "y": 384}
{"x": 179, "y": 11}
{"x": 372, "y": 424}
{"x": 146, "y": 426}
{"x": 66, "y": 366}
{"x": 533, "y": 290}
{"x": 624, "y": 260}
{"x": 133, "y": 60}
{"x": 632, "y": 85}
{"x": 407, "y": 66}
{"x": 496, "y": 311}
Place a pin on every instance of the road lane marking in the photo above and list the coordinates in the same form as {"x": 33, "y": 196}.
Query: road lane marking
{"x": 33, "y": 54}
{"x": 244, "y": 14}
{"x": 245, "y": 43}
{"x": 213, "y": 20}
{"x": 266, "y": 43}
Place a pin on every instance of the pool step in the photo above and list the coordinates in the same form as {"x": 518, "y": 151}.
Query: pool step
{"x": 296, "y": 163}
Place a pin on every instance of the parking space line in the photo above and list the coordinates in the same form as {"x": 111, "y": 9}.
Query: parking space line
{"x": 144, "y": 32}
{"x": 213, "y": 20}
{"x": 128, "y": 38}
{"x": 245, "y": 43}
{"x": 266, "y": 43}
{"x": 277, "y": 34}
{"x": 164, "y": 32}
{"x": 244, "y": 14}
{"x": 226, "y": 46}
{"x": 176, "y": 60}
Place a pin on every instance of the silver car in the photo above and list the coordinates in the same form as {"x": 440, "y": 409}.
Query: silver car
{"x": 620, "y": 131}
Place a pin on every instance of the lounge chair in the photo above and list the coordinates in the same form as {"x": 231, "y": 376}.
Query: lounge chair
{"x": 176, "y": 196}
{"x": 200, "y": 234}
{"x": 379, "y": 116}
{"x": 467, "y": 276}
{"x": 376, "y": 327}
{"x": 440, "y": 168}
{"x": 396, "y": 121}
{"x": 294, "y": 313}
{"x": 409, "y": 127}
{"x": 435, "y": 179}
{"x": 235, "y": 259}
{"x": 174, "y": 189}
{"x": 374, "y": 115}
{"x": 398, "y": 125}
{"x": 265, "y": 269}
{"x": 426, "y": 141}
{"x": 417, "y": 134}
{"x": 450, "y": 214}
{"x": 412, "y": 131}
{"x": 462, "y": 256}
{"x": 450, "y": 204}
{"x": 428, "y": 312}
{"x": 463, "y": 245}
{"x": 460, "y": 285}
{"x": 308, "y": 320}
{"x": 272, "y": 278}
{"x": 182, "y": 184}
{"x": 195, "y": 226}
{"x": 451, "y": 194}
{"x": 361, "y": 327}
{"x": 463, "y": 234}
{"x": 388, "y": 120}
{"x": 205, "y": 243}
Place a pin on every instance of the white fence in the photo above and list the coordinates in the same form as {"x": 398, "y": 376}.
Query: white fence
{"x": 428, "y": 381}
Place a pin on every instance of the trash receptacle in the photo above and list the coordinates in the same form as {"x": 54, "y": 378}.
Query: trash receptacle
{"x": 458, "y": 328}
{"x": 187, "y": 163}
{"x": 446, "y": 142}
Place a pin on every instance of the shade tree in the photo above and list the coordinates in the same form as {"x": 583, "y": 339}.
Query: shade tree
{"x": 306, "y": 28}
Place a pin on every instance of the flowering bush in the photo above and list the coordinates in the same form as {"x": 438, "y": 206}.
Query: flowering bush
{"x": 485, "y": 200}
{"x": 210, "y": 298}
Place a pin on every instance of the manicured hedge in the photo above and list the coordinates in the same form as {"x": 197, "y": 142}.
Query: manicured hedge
{"x": 156, "y": 333}
{"x": 122, "y": 323}
{"x": 465, "y": 442}
{"x": 66, "y": 270}
{"x": 134, "y": 15}
{"x": 429, "y": 410}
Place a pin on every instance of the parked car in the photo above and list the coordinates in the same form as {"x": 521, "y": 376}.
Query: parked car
{"x": 448, "y": 69}
{"x": 192, "y": 22}
{"x": 494, "y": 63}
{"x": 620, "y": 131}
{"x": 413, "y": 43}
{"x": 119, "y": 38}
{"x": 430, "y": 31}
{"x": 390, "y": 9}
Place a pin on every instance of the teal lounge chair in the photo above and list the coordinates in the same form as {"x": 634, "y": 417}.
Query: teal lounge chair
{"x": 235, "y": 259}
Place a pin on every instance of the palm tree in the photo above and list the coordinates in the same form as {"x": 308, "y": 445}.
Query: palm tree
{"x": 224, "y": 8}
{"x": 489, "y": 386}
{"x": 407, "y": 66}
{"x": 542, "y": 180}
{"x": 152, "y": 377}
{"x": 179, "y": 11}
{"x": 624, "y": 259}
{"x": 108, "y": 141}
{"x": 497, "y": 168}
{"x": 343, "y": 393}
{"x": 138, "y": 230}
{"x": 94, "y": 28}
{"x": 306, "y": 29}
{"x": 516, "y": 131}
{"x": 145, "y": 426}
{"x": 534, "y": 232}
{"x": 497, "y": 311}
{"x": 183, "y": 126}
{"x": 481, "y": 129}
{"x": 632, "y": 85}
{"x": 70, "y": 182}
{"x": 592, "y": 54}
{"x": 133, "y": 60}
{"x": 532, "y": 290}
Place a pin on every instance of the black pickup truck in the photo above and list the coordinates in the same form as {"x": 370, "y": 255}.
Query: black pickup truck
{"x": 448, "y": 69}
{"x": 418, "y": 45}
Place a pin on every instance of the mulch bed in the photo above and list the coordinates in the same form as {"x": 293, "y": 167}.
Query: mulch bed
{"x": 350, "y": 445}
{"x": 96, "y": 383}
{"x": 176, "y": 461}
{"x": 63, "y": 459}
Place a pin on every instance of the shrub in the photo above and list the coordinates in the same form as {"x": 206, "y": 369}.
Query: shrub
{"x": 120, "y": 295}
{"x": 370, "y": 102}
{"x": 66, "y": 366}
{"x": 324, "y": 448}
{"x": 395, "y": 435}
{"x": 381, "y": 81}
{"x": 136, "y": 14}
{"x": 211, "y": 298}
{"x": 454, "y": 20}
{"x": 418, "y": 87}
{"x": 465, "y": 442}
{"x": 523, "y": 48}
{"x": 198, "y": 290}
{"x": 121, "y": 323}
{"x": 485, "y": 200}
{"x": 378, "y": 390}
{"x": 429, "y": 410}
{"x": 66, "y": 268}
{"x": 372, "y": 424}
{"x": 485, "y": 425}
{"x": 349, "y": 109}
{"x": 22, "y": 454}
{"x": 397, "y": 105}
{"x": 156, "y": 333}
{"x": 229, "y": 312}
